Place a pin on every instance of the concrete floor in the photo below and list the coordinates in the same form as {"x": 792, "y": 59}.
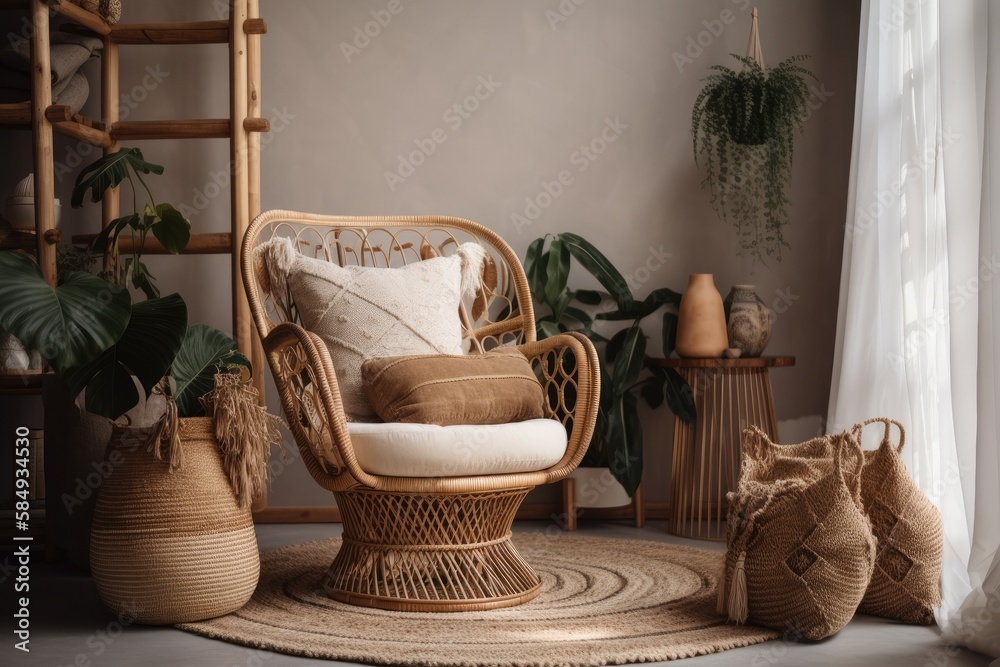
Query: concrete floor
{"x": 71, "y": 627}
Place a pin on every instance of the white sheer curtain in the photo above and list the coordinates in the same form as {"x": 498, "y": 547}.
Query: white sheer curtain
{"x": 915, "y": 332}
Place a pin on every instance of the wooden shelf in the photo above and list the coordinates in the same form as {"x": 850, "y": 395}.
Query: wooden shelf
{"x": 22, "y": 384}
{"x": 200, "y": 128}
{"x": 200, "y": 244}
{"x": 26, "y": 241}
{"x": 719, "y": 362}
{"x": 16, "y": 114}
{"x": 198, "y": 32}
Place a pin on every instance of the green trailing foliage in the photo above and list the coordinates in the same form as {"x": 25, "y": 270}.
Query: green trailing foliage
{"x": 617, "y": 441}
{"x": 165, "y": 222}
{"x": 744, "y": 124}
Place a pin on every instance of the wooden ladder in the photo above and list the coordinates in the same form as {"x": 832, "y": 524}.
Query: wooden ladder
{"x": 242, "y": 32}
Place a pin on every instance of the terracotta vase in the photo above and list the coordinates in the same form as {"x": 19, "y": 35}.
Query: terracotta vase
{"x": 749, "y": 321}
{"x": 701, "y": 320}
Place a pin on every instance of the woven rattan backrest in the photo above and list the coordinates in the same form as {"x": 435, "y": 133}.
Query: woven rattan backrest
{"x": 500, "y": 313}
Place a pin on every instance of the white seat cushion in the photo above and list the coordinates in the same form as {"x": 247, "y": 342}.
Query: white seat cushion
{"x": 428, "y": 450}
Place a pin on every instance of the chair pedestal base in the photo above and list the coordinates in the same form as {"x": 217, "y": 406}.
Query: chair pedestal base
{"x": 438, "y": 553}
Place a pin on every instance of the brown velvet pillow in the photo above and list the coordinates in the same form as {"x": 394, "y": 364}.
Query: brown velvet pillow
{"x": 494, "y": 388}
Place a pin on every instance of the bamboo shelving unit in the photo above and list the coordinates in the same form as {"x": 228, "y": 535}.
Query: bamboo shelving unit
{"x": 243, "y": 127}
{"x": 242, "y": 32}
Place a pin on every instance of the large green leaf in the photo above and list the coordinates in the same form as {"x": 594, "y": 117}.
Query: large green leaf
{"x": 669, "y": 334}
{"x": 533, "y": 266}
{"x": 171, "y": 228}
{"x": 614, "y": 346}
{"x": 648, "y": 306}
{"x": 578, "y": 315}
{"x": 630, "y": 360}
{"x": 547, "y": 329}
{"x": 204, "y": 352}
{"x": 624, "y": 442}
{"x": 588, "y": 297}
{"x": 599, "y": 266}
{"x": 69, "y": 325}
{"x": 680, "y": 397}
{"x": 652, "y": 390}
{"x": 110, "y": 234}
{"x": 556, "y": 272}
{"x": 108, "y": 172}
{"x": 146, "y": 350}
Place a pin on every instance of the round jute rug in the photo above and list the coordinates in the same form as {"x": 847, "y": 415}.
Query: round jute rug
{"x": 603, "y": 601}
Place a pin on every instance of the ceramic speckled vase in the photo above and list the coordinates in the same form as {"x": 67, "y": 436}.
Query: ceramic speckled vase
{"x": 749, "y": 321}
{"x": 701, "y": 319}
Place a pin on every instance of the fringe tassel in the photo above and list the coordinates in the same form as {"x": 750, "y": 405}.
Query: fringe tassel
{"x": 167, "y": 431}
{"x": 245, "y": 431}
{"x": 720, "y": 602}
{"x": 472, "y": 256}
{"x": 738, "y": 602}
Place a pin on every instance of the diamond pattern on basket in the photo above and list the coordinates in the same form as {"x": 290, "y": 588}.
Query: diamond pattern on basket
{"x": 894, "y": 562}
{"x": 883, "y": 518}
{"x": 801, "y": 560}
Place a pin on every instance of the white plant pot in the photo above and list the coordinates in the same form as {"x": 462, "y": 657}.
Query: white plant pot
{"x": 597, "y": 487}
{"x": 20, "y": 213}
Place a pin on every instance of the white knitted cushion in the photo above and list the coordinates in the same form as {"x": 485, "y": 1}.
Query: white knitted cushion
{"x": 365, "y": 312}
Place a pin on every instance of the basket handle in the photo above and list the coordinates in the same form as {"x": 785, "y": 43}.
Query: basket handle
{"x": 849, "y": 444}
{"x": 889, "y": 423}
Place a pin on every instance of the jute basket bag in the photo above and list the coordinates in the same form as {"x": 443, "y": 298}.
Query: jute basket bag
{"x": 171, "y": 543}
{"x": 800, "y": 548}
{"x": 906, "y": 583}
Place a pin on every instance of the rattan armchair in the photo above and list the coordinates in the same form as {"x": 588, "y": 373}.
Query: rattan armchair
{"x": 410, "y": 543}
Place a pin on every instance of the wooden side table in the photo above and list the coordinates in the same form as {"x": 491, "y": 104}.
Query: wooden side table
{"x": 729, "y": 395}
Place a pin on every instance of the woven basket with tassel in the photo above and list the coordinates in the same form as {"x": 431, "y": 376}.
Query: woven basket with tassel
{"x": 173, "y": 538}
{"x": 800, "y": 548}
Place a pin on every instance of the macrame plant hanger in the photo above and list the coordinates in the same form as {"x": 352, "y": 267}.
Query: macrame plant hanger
{"x": 753, "y": 47}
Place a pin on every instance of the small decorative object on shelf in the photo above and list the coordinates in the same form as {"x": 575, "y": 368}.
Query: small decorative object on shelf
{"x": 20, "y": 211}
{"x": 701, "y": 320}
{"x": 109, "y": 10}
{"x": 749, "y": 321}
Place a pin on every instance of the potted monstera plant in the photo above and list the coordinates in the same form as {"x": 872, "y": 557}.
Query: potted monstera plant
{"x": 744, "y": 125}
{"x": 192, "y": 471}
{"x": 617, "y": 442}
{"x": 189, "y": 443}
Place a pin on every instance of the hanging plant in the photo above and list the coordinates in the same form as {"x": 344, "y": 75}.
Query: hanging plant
{"x": 744, "y": 124}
